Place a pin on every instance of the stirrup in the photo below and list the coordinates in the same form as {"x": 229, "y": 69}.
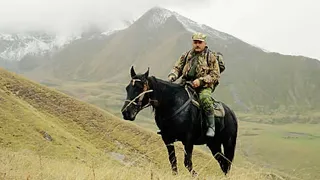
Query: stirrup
{"x": 210, "y": 131}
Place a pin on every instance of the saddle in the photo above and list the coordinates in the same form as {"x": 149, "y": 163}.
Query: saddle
{"x": 219, "y": 111}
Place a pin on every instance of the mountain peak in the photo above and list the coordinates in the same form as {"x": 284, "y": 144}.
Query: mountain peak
{"x": 157, "y": 16}
{"x": 159, "y": 9}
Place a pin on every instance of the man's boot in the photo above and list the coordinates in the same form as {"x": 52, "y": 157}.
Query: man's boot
{"x": 211, "y": 125}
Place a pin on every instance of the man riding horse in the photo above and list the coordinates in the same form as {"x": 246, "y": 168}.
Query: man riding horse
{"x": 200, "y": 66}
{"x": 177, "y": 115}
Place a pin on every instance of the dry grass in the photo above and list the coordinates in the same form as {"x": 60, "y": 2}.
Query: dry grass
{"x": 28, "y": 165}
{"x": 87, "y": 142}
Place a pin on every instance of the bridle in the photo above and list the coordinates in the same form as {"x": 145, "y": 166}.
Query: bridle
{"x": 139, "y": 97}
{"x": 146, "y": 90}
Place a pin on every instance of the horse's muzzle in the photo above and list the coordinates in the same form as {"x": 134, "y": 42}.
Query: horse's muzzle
{"x": 128, "y": 116}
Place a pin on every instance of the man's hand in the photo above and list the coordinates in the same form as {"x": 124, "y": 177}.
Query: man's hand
{"x": 196, "y": 83}
{"x": 171, "y": 78}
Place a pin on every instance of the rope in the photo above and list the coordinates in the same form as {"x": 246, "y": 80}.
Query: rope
{"x": 132, "y": 101}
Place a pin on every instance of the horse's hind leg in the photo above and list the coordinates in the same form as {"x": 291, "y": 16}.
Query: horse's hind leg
{"x": 229, "y": 150}
{"x": 188, "y": 148}
{"x": 215, "y": 148}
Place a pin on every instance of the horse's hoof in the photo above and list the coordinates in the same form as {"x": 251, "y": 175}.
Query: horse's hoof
{"x": 194, "y": 173}
{"x": 174, "y": 170}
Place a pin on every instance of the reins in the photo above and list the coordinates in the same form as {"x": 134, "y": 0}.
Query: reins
{"x": 141, "y": 96}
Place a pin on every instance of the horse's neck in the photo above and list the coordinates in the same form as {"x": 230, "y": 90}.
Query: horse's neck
{"x": 164, "y": 93}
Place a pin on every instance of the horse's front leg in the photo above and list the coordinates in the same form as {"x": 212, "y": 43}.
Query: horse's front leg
{"x": 172, "y": 158}
{"x": 188, "y": 148}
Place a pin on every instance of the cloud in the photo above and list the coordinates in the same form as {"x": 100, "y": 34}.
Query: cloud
{"x": 73, "y": 16}
{"x": 286, "y": 26}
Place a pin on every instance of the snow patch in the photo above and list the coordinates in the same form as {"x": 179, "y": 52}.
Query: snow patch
{"x": 14, "y": 47}
{"x": 160, "y": 15}
{"x": 193, "y": 26}
{"x": 110, "y": 32}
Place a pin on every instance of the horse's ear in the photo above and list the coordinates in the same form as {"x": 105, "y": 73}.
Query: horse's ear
{"x": 147, "y": 73}
{"x": 132, "y": 72}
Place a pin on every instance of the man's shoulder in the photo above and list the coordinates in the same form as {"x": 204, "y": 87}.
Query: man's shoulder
{"x": 186, "y": 53}
{"x": 216, "y": 53}
{"x": 211, "y": 52}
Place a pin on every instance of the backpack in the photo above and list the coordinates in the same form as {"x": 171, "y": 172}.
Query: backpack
{"x": 219, "y": 59}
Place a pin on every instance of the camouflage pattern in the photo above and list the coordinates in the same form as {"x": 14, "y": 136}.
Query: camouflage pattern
{"x": 199, "y": 37}
{"x": 207, "y": 73}
{"x": 206, "y": 101}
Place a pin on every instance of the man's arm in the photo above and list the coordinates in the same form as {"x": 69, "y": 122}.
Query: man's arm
{"x": 178, "y": 67}
{"x": 213, "y": 74}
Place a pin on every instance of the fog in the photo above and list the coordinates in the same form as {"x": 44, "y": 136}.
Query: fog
{"x": 286, "y": 26}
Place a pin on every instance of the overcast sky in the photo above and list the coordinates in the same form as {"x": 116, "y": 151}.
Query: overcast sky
{"x": 285, "y": 26}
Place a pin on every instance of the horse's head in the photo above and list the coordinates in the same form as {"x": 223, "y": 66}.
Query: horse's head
{"x": 137, "y": 95}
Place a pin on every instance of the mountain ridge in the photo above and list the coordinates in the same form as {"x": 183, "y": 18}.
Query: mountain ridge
{"x": 252, "y": 79}
{"x": 39, "y": 46}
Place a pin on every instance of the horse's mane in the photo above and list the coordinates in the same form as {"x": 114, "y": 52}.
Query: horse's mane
{"x": 159, "y": 83}
{"x": 162, "y": 88}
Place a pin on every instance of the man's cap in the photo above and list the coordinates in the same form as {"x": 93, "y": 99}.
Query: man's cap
{"x": 199, "y": 36}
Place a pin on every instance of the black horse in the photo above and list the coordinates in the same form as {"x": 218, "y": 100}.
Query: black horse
{"x": 180, "y": 119}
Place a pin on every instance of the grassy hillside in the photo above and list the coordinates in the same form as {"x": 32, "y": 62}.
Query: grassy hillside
{"x": 46, "y": 134}
{"x": 269, "y": 140}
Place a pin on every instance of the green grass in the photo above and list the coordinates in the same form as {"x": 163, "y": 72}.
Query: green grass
{"x": 292, "y": 148}
{"x": 277, "y": 118}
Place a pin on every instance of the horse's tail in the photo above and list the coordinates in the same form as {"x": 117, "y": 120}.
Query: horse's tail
{"x": 235, "y": 121}
{"x": 234, "y": 134}
{"x": 233, "y": 131}
{"x": 229, "y": 145}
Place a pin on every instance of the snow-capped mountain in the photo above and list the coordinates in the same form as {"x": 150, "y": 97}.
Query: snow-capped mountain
{"x": 14, "y": 47}
{"x": 156, "y": 40}
{"x": 160, "y": 15}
